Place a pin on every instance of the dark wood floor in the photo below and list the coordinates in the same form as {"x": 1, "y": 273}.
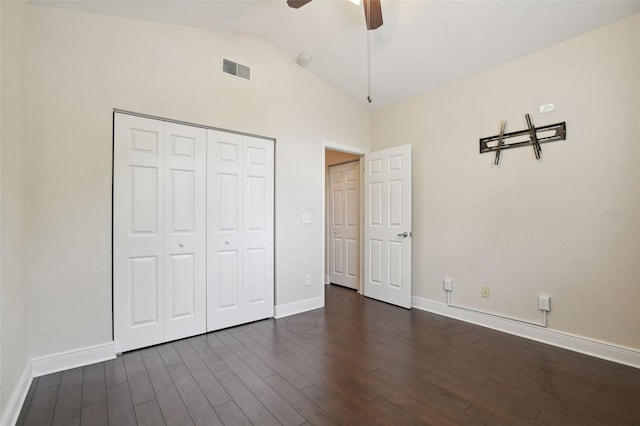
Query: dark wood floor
{"x": 357, "y": 361}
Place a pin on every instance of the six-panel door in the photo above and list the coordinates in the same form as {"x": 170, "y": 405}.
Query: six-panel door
{"x": 185, "y": 231}
{"x": 138, "y": 232}
{"x": 344, "y": 224}
{"x": 163, "y": 289}
{"x": 387, "y": 228}
{"x": 240, "y": 229}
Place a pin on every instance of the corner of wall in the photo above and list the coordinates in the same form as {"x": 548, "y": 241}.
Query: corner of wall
{"x": 12, "y": 410}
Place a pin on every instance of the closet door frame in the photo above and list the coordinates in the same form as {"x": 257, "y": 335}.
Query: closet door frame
{"x": 155, "y": 329}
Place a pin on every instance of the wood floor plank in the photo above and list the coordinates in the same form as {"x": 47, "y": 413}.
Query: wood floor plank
{"x": 213, "y": 341}
{"x": 296, "y": 399}
{"x": 200, "y": 346}
{"x": 169, "y": 354}
{"x": 305, "y": 347}
{"x": 120, "y": 406}
{"x": 267, "y": 396}
{"x": 94, "y": 396}
{"x": 214, "y": 363}
{"x": 400, "y": 414}
{"x": 49, "y": 380}
{"x": 273, "y": 362}
{"x": 333, "y": 406}
{"x": 69, "y": 402}
{"x": 302, "y": 367}
{"x": 201, "y": 411}
{"x": 169, "y": 400}
{"x": 149, "y": 352}
{"x": 273, "y": 345}
{"x": 209, "y": 385}
{"x": 231, "y": 414}
{"x": 138, "y": 379}
{"x": 149, "y": 414}
{"x": 74, "y": 421}
{"x": 424, "y": 404}
{"x": 42, "y": 407}
{"x": 114, "y": 371}
{"x": 244, "y": 354}
{"x": 248, "y": 403}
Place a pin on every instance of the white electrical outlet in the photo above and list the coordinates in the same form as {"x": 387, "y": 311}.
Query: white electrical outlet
{"x": 448, "y": 284}
{"x": 307, "y": 280}
{"x": 544, "y": 303}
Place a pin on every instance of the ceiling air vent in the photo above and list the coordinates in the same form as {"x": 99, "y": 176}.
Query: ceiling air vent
{"x": 235, "y": 69}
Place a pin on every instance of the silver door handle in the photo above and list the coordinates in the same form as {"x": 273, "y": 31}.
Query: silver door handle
{"x": 181, "y": 244}
{"x": 227, "y": 242}
{"x": 404, "y": 234}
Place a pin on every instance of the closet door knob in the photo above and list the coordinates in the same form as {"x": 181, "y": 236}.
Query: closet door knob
{"x": 181, "y": 244}
{"x": 227, "y": 242}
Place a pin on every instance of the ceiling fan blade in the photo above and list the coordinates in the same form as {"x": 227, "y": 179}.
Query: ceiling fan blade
{"x": 372, "y": 13}
{"x": 297, "y": 3}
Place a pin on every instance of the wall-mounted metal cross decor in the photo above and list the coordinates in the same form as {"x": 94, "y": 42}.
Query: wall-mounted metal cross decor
{"x": 533, "y": 136}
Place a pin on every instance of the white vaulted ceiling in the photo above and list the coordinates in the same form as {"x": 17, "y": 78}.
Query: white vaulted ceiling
{"x": 422, "y": 44}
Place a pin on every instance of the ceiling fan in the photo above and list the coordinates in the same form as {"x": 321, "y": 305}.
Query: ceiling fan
{"x": 372, "y": 11}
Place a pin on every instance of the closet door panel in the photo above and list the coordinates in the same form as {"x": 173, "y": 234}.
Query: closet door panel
{"x": 185, "y": 231}
{"x": 255, "y": 276}
{"x": 224, "y": 230}
{"x": 138, "y": 227}
{"x": 258, "y": 228}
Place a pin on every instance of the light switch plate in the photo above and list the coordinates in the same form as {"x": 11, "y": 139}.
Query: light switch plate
{"x": 306, "y": 218}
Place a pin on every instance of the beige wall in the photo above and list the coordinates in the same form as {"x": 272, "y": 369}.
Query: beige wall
{"x": 83, "y": 66}
{"x": 14, "y": 351}
{"x": 533, "y": 227}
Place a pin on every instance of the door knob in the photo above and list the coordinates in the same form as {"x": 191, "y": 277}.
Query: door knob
{"x": 227, "y": 242}
{"x": 404, "y": 235}
{"x": 181, "y": 244}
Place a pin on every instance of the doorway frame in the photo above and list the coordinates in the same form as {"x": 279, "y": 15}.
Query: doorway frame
{"x": 350, "y": 149}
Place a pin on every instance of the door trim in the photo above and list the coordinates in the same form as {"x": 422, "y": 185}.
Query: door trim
{"x": 334, "y": 146}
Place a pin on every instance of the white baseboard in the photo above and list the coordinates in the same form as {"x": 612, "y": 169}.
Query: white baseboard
{"x": 285, "y": 310}
{"x": 596, "y": 348}
{"x": 14, "y": 405}
{"x": 71, "y": 359}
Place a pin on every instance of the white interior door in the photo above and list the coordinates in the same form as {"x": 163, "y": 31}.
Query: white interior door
{"x": 387, "y": 232}
{"x": 224, "y": 229}
{"x": 344, "y": 224}
{"x": 239, "y": 229}
{"x": 257, "y": 228}
{"x": 138, "y": 227}
{"x": 159, "y": 231}
{"x": 185, "y": 231}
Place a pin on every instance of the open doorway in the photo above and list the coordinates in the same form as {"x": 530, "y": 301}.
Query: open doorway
{"x": 385, "y": 222}
{"x": 343, "y": 207}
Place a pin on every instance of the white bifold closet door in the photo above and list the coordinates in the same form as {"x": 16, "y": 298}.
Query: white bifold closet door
{"x": 159, "y": 231}
{"x": 239, "y": 229}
